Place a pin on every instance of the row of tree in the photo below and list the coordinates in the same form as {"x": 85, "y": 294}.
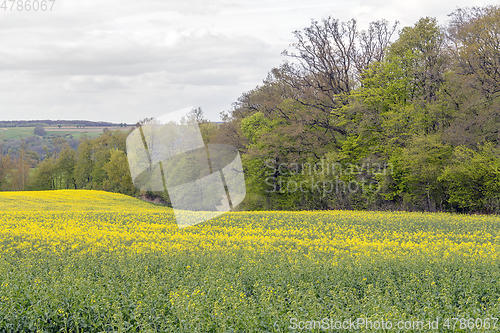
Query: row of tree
{"x": 43, "y": 123}
{"x": 99, "y": 163}
{"x": 424, "y": 107}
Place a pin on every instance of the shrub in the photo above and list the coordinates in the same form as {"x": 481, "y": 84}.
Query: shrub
{"x": 39, "y": 131}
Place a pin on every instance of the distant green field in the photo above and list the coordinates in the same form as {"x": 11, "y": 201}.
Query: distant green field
{"x": 18, "y": 133}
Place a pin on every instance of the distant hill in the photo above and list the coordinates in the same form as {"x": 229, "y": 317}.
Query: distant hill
{"x": 33, "y": 123}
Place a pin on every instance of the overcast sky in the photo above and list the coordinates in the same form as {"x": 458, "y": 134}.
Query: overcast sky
{"x": 122, "y": 61}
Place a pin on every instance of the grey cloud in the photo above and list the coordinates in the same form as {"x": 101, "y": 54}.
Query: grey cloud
{"x": 127, "y": 60}
{"x": 94, "y": 83}
{"x": 112, "y": 54}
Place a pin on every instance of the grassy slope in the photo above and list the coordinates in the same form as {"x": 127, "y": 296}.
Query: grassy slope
{"x": 16, "y": 133}
{"x": 73, "y": 200}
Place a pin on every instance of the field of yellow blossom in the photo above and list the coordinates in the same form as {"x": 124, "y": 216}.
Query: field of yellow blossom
{"x": 90, "y": 261}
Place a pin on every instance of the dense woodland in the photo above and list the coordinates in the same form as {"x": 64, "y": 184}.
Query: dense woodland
{"x": 354, "y": 119}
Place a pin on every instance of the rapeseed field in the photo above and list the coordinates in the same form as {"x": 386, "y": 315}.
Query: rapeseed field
{"x": 89, "y": 261}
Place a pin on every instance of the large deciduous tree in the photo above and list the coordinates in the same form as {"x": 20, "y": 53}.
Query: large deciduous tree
{"x": 473, "y": 83}
{"x": 475, "y": 36}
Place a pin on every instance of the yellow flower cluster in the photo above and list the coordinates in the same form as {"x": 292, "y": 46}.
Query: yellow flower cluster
{"x": 91, "y": 221}
{"x": 107, "y": 260}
